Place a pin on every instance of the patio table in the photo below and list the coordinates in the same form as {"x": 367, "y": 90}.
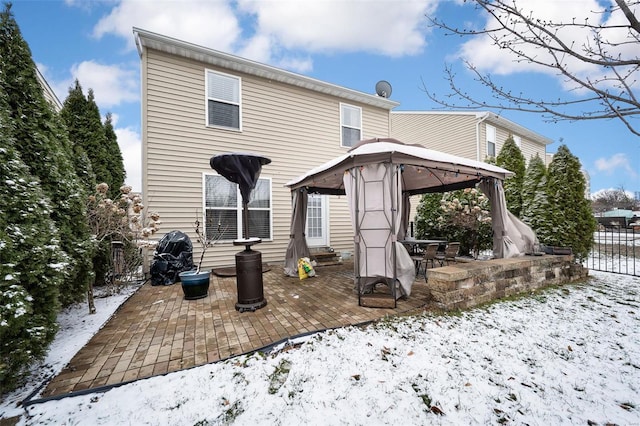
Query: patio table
{"x": 418, "y": 244}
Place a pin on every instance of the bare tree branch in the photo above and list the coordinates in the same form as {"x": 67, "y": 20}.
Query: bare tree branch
{"x": 611, "y": 54}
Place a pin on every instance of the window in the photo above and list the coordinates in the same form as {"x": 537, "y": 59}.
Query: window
{"x": 314, "y": 216}
{"x": 223, "y": 100}
{"x": 223, "y": 209}
{"x": 350, "y": 124}
{"x": 491, "y": 141}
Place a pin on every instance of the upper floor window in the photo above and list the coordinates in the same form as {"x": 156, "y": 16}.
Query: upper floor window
{"x": 223, "y": 209}
{"x": 491, "y": 141}
{"x": 223, "y": 100}
{"x": 350, "y": 125}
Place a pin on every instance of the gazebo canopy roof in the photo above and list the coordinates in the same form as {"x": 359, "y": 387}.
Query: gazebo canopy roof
{"x": 424, "y": 170}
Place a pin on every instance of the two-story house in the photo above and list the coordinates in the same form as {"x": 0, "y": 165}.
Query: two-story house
{"x": 198, "y": 102}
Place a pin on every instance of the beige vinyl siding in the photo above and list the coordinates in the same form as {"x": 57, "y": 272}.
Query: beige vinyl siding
{"x": 528, "y": 147}
{"x": 451, "y": 133}
{"x": 296, "y": 128}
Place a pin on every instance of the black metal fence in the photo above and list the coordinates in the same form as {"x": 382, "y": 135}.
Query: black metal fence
{"x": 617, "y": 250}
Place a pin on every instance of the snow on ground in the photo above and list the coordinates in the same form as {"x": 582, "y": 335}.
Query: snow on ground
{"x": 76, "y": 329}
{"x": 566, "y": 355}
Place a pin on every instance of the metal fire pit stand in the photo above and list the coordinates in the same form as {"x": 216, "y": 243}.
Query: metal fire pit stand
{"x": 244, "y": 169}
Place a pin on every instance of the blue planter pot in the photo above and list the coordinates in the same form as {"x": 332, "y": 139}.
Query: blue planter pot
{"x": 195, "y": 286}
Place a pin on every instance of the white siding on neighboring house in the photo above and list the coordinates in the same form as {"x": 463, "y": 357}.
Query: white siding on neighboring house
{"x": 48, "y": 92}
{"x": 295, "y": 127}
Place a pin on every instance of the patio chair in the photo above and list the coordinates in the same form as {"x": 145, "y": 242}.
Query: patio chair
{"x": 428, "y": 256}
{"x": 450, "y": 253}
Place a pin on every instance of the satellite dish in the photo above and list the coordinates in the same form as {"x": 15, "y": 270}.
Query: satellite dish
{"x": 383, "y": 88}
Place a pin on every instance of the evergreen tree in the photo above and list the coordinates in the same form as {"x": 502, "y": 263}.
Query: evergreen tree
{"x": 114, "y": 159}
{"x": 571, "y": 222}
{"x": 96, "y": 143}
{"x": 98, "y": 158}
{"x": 31, "y": 263}
{"x": 510, "y": 157}
{"x": 82, "y": 118}
{"x": 74, "y": 117}
{"x": 539, "y": 213}
{"x": 43, "y": 144}
{"x": 536, "y": 170}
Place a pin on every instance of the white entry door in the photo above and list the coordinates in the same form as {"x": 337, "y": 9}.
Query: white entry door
{"x": 317, "y": 220}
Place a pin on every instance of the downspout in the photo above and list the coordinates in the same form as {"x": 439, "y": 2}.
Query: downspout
{"x": 482, "y": 118}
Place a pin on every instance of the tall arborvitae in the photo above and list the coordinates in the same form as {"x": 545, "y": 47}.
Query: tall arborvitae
{"x": 114, "y": 159}
{"x": 42, "y": 142}
{"x": 536, "y": 170}
{"x": 96, "y": 143}
{"x": 510, "y": 157}
{"x": 31, "y": 263}
{"x": 571, "y": 221}
{"x": 74, "y": 117}
{"x": 82, "y": 118}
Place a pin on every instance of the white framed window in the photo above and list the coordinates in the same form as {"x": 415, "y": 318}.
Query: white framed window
{"x": 350, "y": 125}
{"x": 491, "y": 141}
{"x": 223, "y": 209}
{"x": 518, "y": 140}
{"x": 223, "y": 100}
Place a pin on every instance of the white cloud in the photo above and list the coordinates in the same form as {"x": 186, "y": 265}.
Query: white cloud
{"x": 114, "y": 119}
{"x": 44, "y": 70}
{"x": 112, "y": 84}
{"x": 212, "y": 24}
{"x": 130, "y": 146}
{"x": 482, "y": 53}
{"x": 277, "y": 32}
{"x": 615, "y": 163}
{"x": 390, "y": 28}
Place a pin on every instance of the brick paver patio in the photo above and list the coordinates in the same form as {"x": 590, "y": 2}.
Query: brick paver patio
{"x": 156, "y": 331}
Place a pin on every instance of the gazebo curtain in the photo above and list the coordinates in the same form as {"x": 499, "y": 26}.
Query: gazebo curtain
{"x": 374, "y": 194}
{"x": 511, "y": 237}
{"x": 297, "y": 247}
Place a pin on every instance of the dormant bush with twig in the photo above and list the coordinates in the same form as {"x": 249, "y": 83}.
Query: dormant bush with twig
{"x": 123, "y": 220}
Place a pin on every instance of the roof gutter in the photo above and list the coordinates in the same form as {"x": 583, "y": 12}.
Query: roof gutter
{"x": 149, "y": 40}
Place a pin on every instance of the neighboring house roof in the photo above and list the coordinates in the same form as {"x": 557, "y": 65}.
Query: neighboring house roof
{"x": 491, "y": 118}
{"x": 49, "y": 94}
{"x": 619, "y": 213}
{"x": 209, "y": 56}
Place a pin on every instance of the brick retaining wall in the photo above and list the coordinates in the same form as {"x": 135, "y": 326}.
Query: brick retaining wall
{"x": 466, "y": 284}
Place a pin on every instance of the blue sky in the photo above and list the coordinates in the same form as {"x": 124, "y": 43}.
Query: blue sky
{"x": 349, "y": 43}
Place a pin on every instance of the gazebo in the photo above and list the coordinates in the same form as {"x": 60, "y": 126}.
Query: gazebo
{"x": 378, "y": 176}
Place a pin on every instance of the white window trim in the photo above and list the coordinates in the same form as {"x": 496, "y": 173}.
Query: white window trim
{"x": 238, "y": 208}
{"x": 206, "y": 100}
{"x": 495, "y": 135}
{"x": 343, "y": 125}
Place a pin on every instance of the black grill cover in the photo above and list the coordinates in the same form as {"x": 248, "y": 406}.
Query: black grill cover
{"x": 174, "y": 254}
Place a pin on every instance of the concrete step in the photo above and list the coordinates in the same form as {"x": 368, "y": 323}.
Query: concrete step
{"x": 326, "y": 258}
